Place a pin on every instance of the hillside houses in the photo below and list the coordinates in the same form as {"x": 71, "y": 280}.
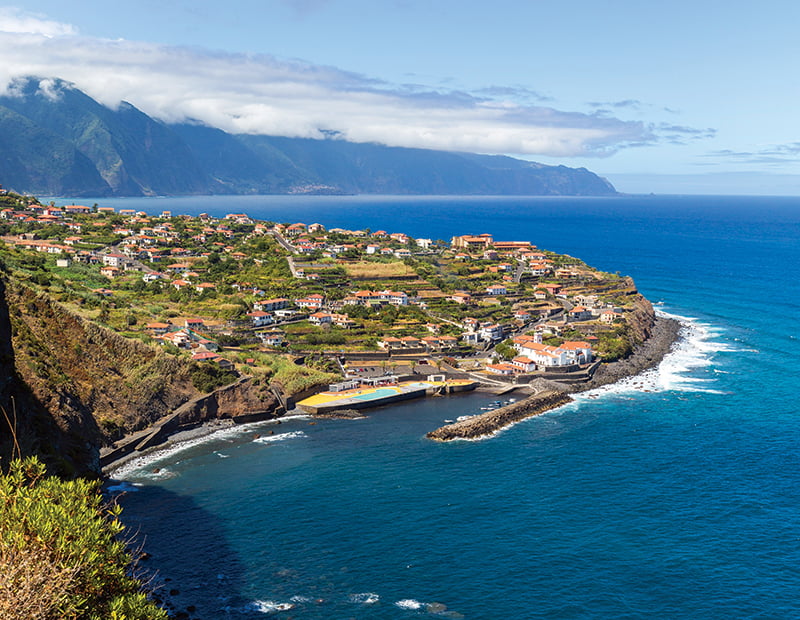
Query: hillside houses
{"x": 355, "y": 290}
{"x": 566, "y": 354}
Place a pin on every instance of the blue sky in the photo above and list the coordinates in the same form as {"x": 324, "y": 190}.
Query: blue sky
{"x": 678, "y": 97}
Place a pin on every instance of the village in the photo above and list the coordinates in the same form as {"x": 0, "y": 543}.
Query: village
{"x": 322, "y": 306}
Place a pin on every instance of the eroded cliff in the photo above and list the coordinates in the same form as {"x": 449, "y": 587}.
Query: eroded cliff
{"x": 69, "y": 386}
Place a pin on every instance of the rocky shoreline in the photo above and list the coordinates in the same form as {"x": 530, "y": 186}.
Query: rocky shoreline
{"x": 664, "y": 334}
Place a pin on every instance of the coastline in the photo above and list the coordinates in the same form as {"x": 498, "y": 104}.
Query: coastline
{"x": 664, "y": 335}
{"x": 189, "y": 437}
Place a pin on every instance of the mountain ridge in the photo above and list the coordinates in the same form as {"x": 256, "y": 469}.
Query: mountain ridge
{"x": 63, "y": 142}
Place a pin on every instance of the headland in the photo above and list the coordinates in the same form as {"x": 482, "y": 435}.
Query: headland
{"x": 124, "y": 328}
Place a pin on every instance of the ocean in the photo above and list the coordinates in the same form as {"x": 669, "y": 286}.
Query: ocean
{"x": 674, "y": 494}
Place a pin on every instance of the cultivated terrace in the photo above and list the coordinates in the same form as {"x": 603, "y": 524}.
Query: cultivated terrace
{"x": 257, "y": 297}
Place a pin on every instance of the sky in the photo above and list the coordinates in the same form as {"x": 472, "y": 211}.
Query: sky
{"x": 674, "y": 97}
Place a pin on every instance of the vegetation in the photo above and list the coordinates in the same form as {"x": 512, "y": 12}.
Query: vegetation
{"x": 378, "y": 269}
{"x": 60, "y": 552}
{"x": 209, "y": 377}
{"x": 616, "y": 344}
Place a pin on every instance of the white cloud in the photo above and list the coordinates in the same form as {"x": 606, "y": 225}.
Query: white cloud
{"x": 15, "y": 20}
{"x": 261, "y": 94}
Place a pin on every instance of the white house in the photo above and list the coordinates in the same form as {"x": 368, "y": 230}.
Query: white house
{"x": 270, "y": 305}
{"x": 497, "y": 289}
{"x": 260, "y": 318}
{"x": 492, "y": 332}
{"x": 320, "y": 318}
{"x": 272, "y": 339}
{"x": 312, "y": 301}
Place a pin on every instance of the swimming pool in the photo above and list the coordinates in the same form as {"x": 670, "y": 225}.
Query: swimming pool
{"x": 378, "y": 393}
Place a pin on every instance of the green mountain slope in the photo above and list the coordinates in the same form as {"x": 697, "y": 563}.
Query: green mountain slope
{"x": 132, "y": 152}
{"x": 59, "y": 141}
{"x": 33, "y": 157}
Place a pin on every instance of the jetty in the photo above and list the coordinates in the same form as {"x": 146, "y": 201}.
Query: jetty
{"x": 488, "y": 423}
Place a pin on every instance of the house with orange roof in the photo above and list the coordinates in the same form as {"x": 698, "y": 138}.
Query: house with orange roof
{"x": 503, "y": 368}
{"x": 320, "y": 318}
{"x": 270, "y": 305}
{"x": 472, "y": 242}
{"x": 312, "y": 301}
{"x": 260, "y": 318}
{"x": 204, "y": 286}
{"x": 579, "y": 313}
{"x": 410, "y": 341}
{"x": 566, "y": 354}
{"x": 608, "y": 317}
{"x": 496, "y": 289}
{"x": 525, "y": 364}
{"x": 296, "y": 229}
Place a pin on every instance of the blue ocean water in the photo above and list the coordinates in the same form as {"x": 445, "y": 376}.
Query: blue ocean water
{"x": 672, "y": 495}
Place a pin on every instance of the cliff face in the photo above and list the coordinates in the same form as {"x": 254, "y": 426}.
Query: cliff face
{"x": 240, "y": 401}
{"x": 642, "y": 319}
{"x": 75, "y": 385}
{"x": 69, "y": 386}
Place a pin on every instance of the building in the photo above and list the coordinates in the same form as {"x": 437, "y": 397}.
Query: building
{"x": 491, "y": 332}
{"x": 270, "y": 305}
{"x": 259, "y": 318}
{"x": 312, "y": 301}
{"x": 471, "y": 242}
{"x": 320, "y": 318}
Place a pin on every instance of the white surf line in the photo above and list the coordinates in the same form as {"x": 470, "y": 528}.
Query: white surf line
{"x": 694, "y": 349}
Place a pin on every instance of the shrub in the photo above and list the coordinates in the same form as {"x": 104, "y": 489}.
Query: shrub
{"x": 207, "y": 377}
{"x": 60, "y": 555}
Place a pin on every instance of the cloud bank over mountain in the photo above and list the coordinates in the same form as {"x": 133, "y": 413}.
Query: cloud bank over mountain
{"x": 262, "y": 94}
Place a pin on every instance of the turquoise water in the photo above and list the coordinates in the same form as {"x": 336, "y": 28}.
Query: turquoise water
{"x": 379, "y": 393}
{"x": 672, "y": 495}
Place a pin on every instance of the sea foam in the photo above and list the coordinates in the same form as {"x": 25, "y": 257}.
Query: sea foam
{"x": 695, "y": 349}
{"x": 269, "y": 607}
{"x": 280, "y": 437}
{"x": 409, "y": 603}
{"x": 364, "y": 598}
{"x": 142, "y": 466}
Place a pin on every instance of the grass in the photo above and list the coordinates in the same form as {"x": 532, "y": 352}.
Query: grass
{"x": 366, "y": 269}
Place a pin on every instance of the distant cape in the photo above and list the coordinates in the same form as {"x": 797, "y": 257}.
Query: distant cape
{"x": 64, "y": 143}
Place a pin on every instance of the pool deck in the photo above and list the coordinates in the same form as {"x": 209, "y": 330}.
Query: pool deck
{"x": 365, "y": 397}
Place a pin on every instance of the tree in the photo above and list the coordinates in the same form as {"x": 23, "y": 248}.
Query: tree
{"x": 506, "y": 350}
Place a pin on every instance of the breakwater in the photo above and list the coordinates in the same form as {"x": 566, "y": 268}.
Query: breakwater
{"x": 492, "y": 421}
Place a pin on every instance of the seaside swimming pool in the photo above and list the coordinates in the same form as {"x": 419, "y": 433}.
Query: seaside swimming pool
{"x": 377, "y": 393}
